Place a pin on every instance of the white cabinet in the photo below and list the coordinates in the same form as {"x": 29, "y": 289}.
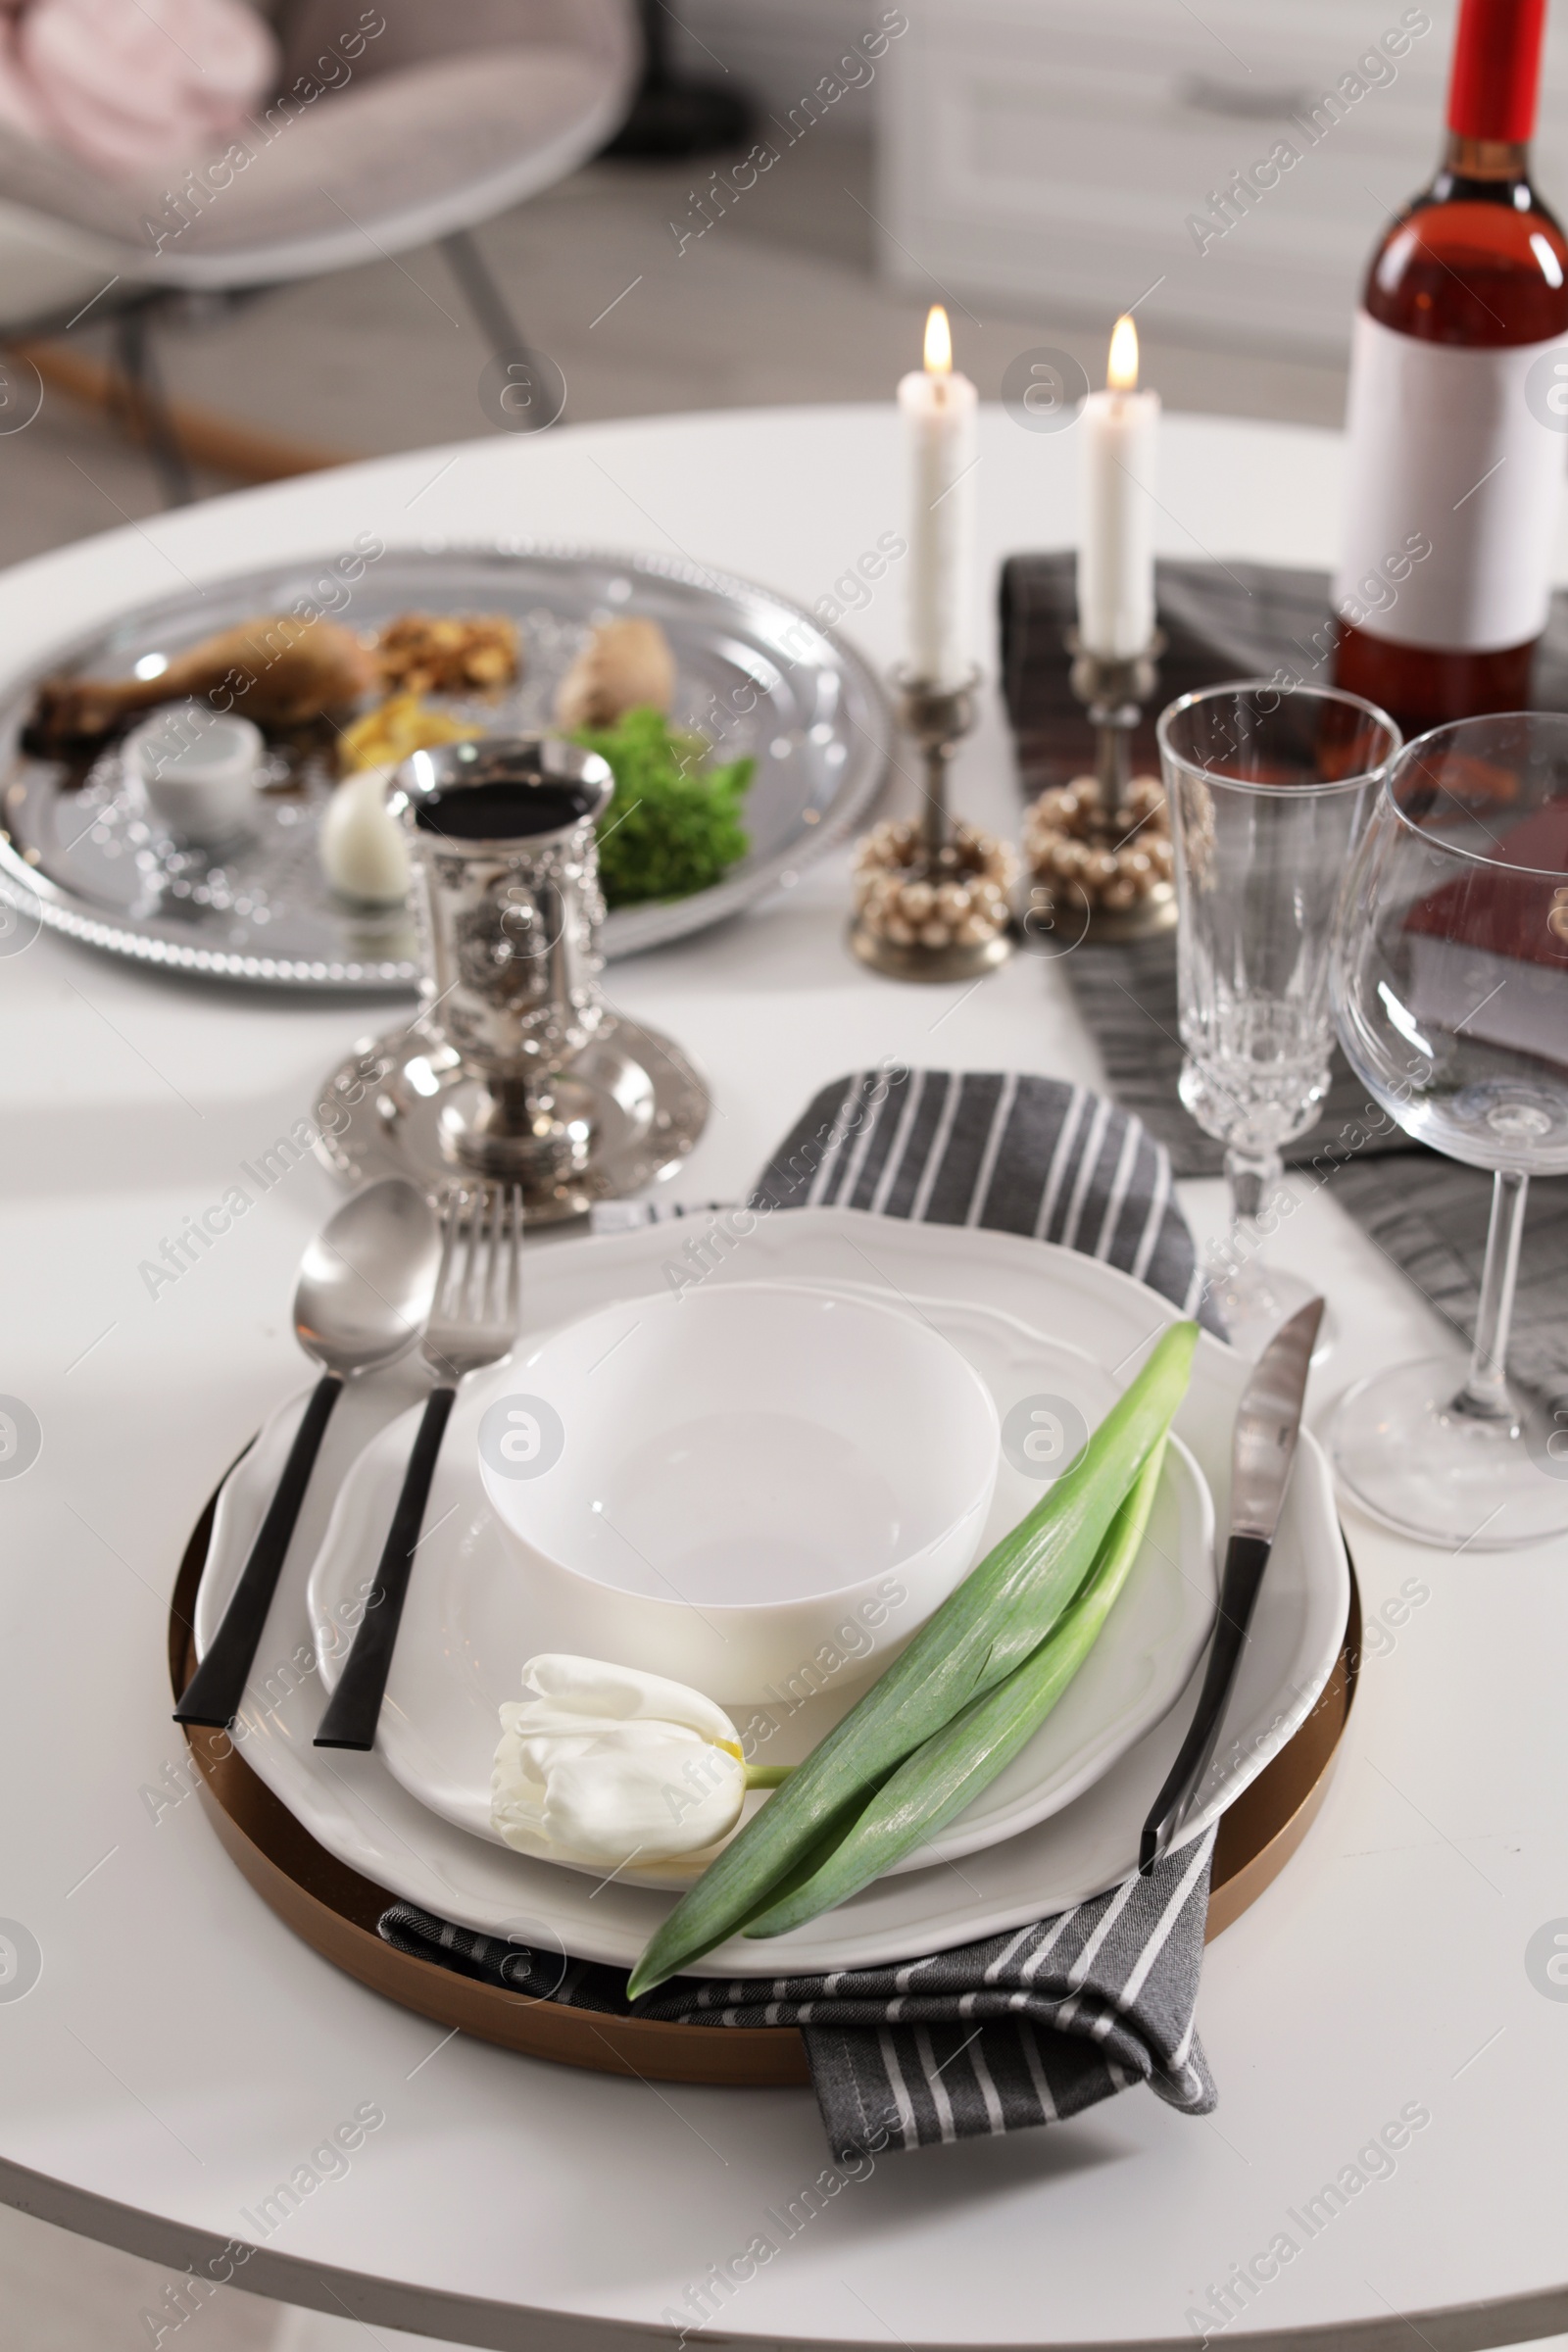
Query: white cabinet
{"x": 1066, "y": 154}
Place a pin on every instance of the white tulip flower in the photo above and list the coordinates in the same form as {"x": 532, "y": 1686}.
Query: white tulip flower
{"x": 604, "y": 1766}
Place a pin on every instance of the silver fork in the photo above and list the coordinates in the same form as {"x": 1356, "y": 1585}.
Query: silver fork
{"x": 474, "y": 1323}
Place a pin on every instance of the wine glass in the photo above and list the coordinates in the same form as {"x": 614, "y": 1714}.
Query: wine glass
{"x": 1450, "y": 992}
{"x": 1268, "y": 787}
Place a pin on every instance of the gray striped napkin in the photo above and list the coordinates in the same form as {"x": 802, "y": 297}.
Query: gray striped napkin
{"x": 1025, "y": 1155}
{"x": 1023, "y": 2028}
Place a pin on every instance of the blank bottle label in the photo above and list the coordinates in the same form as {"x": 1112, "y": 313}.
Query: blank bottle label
{"x": 1455, "y": 473}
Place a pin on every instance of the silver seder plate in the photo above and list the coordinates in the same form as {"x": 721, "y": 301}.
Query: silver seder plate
{"x": 756, "y": 674}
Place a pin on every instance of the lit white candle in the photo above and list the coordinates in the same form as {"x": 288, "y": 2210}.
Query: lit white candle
{"x": 941, "y": 417}
{"x": 1116, "y": 546}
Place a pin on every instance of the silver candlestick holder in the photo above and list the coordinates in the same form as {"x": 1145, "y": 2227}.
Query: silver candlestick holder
{"x": 1113, "y": 690}
{"x": 1099, "y": 848}
{"x": 931, "y": 892}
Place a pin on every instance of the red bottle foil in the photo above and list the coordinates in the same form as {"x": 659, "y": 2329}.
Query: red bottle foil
{"x": 1497, "y": 68}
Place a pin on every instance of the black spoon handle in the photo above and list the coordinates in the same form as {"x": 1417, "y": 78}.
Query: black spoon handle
{"x": 355, "y": 1708}
{"x": 213, "y": 1694}
{"x": 1245, "y": 1559}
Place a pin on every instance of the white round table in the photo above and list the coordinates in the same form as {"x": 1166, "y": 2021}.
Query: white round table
{"x": 180, "y": 2053}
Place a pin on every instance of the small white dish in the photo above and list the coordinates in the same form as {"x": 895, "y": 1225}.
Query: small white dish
{"x": 722, "y": 1485}
{"x": 471, "y": 1618}
{"x": 198, "y": 769}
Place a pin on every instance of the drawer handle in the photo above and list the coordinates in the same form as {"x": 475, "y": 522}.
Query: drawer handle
{"x": 1246, "y": 102}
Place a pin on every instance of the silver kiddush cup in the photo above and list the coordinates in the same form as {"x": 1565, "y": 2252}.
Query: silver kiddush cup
{"x": 516, "y": 1068}
{"x": 507, "y": 900}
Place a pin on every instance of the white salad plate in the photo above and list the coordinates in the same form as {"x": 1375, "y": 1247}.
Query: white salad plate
{"x": 470, "y": 1619}
{"x": 354, "y": 1806}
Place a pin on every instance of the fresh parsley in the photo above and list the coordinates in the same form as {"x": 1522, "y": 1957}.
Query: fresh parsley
{"x": 673, "y": 826}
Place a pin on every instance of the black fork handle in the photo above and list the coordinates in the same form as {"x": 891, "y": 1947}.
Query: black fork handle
{"x": 1245, "y": 1559}
{"x": 215, "y": 1691}
{"x": 355, "y": 1708}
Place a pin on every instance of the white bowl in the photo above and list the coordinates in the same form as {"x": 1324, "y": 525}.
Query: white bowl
{"x": 198, "y": 769}
{"x": 751, "y": 1488}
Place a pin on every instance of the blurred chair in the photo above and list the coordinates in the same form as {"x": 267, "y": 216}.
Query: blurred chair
{"x": 377, "y": 140}
{"x": 672, "y": 113}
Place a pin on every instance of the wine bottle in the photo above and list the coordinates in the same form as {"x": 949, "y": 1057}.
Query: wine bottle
{"x": 1458, "y": 404}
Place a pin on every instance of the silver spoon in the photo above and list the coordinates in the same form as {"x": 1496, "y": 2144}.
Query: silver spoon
{"x": 364, "y": 1294}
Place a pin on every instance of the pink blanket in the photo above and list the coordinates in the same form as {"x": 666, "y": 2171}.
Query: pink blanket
{"x": 132, "y": 86}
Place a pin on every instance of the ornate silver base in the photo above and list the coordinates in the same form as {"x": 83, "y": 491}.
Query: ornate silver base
{"x": 623, "y": 1111}
{"x": 1114, "y": 691}
{"x": 960, "y": 876}
{"x": 1061, "y": 913}
{"x": 1063, "y": 918}
{"x": 951, "y": 962}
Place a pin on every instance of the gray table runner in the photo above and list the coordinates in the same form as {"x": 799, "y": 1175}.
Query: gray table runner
{"x": 1425, "y": 1213}
{"x": 1031, "y": 2027}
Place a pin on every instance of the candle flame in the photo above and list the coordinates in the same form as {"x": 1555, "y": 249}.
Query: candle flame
{"x": 938, "y": 342}
{"x": 1121, "y": 372}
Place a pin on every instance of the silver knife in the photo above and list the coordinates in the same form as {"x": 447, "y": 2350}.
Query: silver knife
{"x": 1267, "y": 1423}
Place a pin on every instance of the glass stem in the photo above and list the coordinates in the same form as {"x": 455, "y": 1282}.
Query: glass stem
{"x": 1485, "y": 1395}
{"x": 1252, "y": 1177}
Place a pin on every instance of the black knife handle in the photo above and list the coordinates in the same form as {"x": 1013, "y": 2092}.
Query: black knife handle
{"x": 355, "y": 1708}
{"x": 1246, "y": 1558}
{"x": 215, "y": 1691}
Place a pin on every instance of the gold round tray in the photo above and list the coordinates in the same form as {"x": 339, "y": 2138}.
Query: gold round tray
{"x": 335, "y": 1910}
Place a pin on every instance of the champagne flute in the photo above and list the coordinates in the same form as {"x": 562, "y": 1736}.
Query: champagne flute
{"x": 1450, "y": 992}
{"x": 1267, "y": 787}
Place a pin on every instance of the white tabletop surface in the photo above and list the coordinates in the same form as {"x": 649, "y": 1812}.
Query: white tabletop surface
{"x": 180, "y": 2052}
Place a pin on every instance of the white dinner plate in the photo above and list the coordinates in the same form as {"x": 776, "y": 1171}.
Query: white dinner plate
{"x": 357, "y": 1811}
{"x": 467, "y": 1627}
